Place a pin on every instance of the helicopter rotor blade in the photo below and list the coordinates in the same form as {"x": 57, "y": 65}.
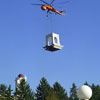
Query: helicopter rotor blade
{"x": 44, "y": 2}
{"x": 52, "y": 1}
{"x": 63, "y": 2}
{"x": 58, "y": 6}
{"x": 37, "y": 4}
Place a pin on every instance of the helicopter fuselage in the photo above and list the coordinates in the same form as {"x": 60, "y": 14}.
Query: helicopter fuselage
{"x": 50, "y": 8}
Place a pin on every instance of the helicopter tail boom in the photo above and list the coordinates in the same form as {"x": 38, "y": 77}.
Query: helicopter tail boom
{"x": 61, "y": 12}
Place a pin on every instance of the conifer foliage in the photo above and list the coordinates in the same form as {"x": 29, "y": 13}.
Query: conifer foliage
{"x": 5, "y": 92}
{"x": 96, "y": 92}
{"x": 44, "y": 92}
{"x": 23, "y": 91}
{"x": 52, "y": 95}
{"x": 60, "y": 91}
{"x": 73, "y": 92}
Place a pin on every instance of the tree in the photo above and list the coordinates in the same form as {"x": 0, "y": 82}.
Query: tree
{"x": 73, "y": 92}
{"x": 60, "y": 91}
{"x": 23, "y": 91}
{"x": 3, "y": 89}
{"x": 86, "y": 83}
{"x": 5, "y": 92}
{"x": 95, "y": 92}
{"x": 52, "y": 95}
{"x": 42, "y": 90}
{"x": 9, "y": 93}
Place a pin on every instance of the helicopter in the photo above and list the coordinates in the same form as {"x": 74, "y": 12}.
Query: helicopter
{"x": 49, "y": 7}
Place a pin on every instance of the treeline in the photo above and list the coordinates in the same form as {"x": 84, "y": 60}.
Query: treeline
{"x": 44, "y": 92}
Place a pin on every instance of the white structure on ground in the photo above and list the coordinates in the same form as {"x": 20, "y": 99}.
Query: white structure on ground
{"x": 19, "y": 78}
{"x": 84, "y": 92}
{"x": 53, "y": 42}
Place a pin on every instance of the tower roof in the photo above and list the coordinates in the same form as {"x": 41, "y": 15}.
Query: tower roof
{"x": 20, "y": 75}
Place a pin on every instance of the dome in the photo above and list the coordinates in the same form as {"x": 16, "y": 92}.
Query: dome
{"x": 84, "y": 92}
{"x": 20, "y": 75}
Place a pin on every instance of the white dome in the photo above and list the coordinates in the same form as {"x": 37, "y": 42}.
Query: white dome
{"x": 84, "y": 92}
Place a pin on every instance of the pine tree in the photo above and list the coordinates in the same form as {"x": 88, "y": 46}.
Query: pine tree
{"x": 3, "y": 89}
{"x": 73, "y": 92}
{"x": 60, "y": 91}
{"x": 52, "y": 95}
{"x": 95, "y": 92}
{"x": 23, "y": 91}
{"x": 9, "y": 93}
{"x": 86, "y": 83}
{"x": 42, "y": 90}
{"x": 5, "y": 92}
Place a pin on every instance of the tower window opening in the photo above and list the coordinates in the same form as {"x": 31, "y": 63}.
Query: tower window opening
{"x": 55, "y": 39}
{"x": 49, "y": 42}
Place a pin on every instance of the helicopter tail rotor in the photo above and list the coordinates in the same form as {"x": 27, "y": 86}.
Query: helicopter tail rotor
{"x": 63, "y": 12}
